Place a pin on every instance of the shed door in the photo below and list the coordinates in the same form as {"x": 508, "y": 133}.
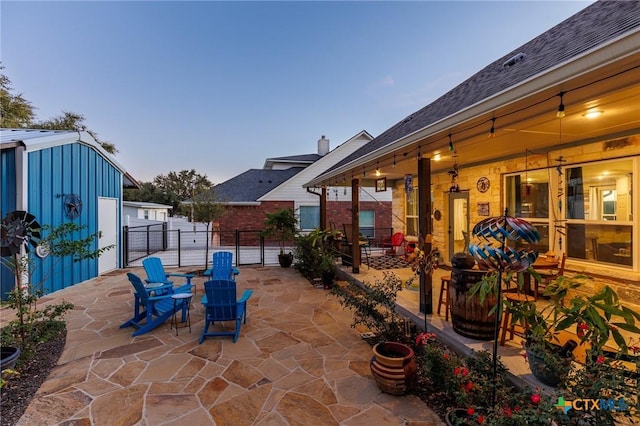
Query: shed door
{"x": 108, "y": 227}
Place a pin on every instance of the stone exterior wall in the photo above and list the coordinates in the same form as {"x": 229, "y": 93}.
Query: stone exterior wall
{"x": 624, "y": 281}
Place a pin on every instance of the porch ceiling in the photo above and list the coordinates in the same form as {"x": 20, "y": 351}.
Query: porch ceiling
{"x": 530, "y": 123}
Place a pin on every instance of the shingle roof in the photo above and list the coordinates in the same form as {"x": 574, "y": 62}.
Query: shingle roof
{"x": 252, "y": 184}
{"x": 302, "y": 158}
{"x": 594, "y": 25}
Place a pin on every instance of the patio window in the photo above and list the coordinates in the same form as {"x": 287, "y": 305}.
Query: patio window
{"x": 411, "y": 212}
{"x": 309, "y": 217}
{"x": 599, "y": 204}
{"x": 367, "y": 223}
{"x": 527, "y": 196}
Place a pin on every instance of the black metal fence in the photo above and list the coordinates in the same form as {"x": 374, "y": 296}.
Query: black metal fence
{"x": 184, "y": 247}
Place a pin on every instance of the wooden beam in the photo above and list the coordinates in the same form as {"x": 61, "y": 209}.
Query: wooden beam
{"x": 354, "y": 238}
{"x": 425, "y": 226}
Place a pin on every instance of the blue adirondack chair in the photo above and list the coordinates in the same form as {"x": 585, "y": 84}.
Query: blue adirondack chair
{"x": 221, "y": 305}
{"x": 156, "y": 274}
{"x": 222, "y": 267}
{"x": 151, "y": 311}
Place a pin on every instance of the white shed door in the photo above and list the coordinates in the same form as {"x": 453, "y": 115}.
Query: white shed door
{"x": 108, "y": 227}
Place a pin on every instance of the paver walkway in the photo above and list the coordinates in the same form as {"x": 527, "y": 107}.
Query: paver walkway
{"x": 297, "y": 362}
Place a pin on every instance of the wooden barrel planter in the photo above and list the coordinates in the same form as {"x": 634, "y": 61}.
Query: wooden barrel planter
{"x": 393, "y": 366}
{"x": 469, "y": 318}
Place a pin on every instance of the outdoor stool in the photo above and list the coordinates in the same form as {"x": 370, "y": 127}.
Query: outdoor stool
{"x": 444, "y": 296}
{"x": 506, "y": 320}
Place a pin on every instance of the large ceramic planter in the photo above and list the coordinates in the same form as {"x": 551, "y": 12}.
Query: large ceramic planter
{"x": 549, "y": 368}
{"x": 393, "y": 366}
{"x": 469, "y": 317}
{"x": 8, "y": 357}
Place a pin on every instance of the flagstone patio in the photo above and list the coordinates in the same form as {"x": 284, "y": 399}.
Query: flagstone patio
{"x": 297, "y": 362}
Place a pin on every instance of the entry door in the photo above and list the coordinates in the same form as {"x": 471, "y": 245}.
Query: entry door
{"x": 458, "y": 221}
{"x": 108, "y": 229}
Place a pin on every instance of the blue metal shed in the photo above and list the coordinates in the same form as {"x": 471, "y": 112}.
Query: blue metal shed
{"x": 62, "y": 176}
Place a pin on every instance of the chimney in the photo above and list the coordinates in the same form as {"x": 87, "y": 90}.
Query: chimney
{"x": 323, "y": 146}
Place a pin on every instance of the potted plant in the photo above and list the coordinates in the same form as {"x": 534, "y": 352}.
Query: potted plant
{"x": 595, "y": 319}
{"x": 283, "y": 225}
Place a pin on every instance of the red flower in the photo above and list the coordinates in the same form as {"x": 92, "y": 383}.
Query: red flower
{"x": 600, "y": 359}
{"x": 535, "y": 398}
{"x": 507, "y": 412}
{"x": 456, "y": 371}
{"x": 480, "y": 419}
{"x": 516, "y": 409}
{"x": 446, "y": 356}
{"x": 465, "y": 371}
{"x": 471, "y": 411}
{"x": 469, "y": 386}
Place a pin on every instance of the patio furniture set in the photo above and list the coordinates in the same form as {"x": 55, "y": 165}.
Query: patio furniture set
{"x": 157, "y": 299}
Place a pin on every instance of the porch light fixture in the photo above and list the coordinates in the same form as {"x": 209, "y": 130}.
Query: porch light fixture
{"x": 592, "y": 113}
{"x": 560, "y": 113}
{"x": 377, "y": 169}
{"x": 492, "y": 132}
{"x": 450, "y": 143}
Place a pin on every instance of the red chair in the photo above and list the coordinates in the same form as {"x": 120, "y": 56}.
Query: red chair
{"x": 395, "y": 245}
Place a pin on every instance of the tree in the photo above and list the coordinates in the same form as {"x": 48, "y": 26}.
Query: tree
{"x": 147, "y": 192}
{"x": 183, "y": 186}
{"x": 72, "y": 121}
{"x": 206, "y": 209}
{"x": 17, "y": 112}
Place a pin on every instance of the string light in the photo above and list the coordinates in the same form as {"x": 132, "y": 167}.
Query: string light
{"x": 450, "y": 143}
{"x": 363, "y": 172}
{"x": 377, "y": 169}
{"x": 560, "y": 113}
{"x": 394, "y": 160}
{"x": 492, "y": 132}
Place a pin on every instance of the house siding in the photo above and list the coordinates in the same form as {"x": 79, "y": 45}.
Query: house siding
{"x": 69, "y": 169}
{"x": 8, "y": 189}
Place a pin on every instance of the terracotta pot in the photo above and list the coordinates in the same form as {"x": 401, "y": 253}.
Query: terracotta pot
{"x": 393, "y": 367}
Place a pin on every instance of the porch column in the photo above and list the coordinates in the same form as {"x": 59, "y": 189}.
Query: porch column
{"x": 425, "y": 225}
{"x": 323, "y": 209}
{"x": 355, "y": 225}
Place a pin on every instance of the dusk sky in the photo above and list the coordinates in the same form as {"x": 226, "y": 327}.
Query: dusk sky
{"x": 220, "y": 86}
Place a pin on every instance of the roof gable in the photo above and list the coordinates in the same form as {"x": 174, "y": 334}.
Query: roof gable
{"x": 252, "y": 184}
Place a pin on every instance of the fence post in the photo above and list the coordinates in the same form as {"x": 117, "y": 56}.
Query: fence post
{"x": 148, "y": 239}
{"x": 164, "y": 236}
{"x": 179, "y": 250}
{"x": 206, "y": 252}
{"x": 237, "y": 247}
{"x": 125, "y": 245}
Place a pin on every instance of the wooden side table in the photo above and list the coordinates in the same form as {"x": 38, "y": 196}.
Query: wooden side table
{"x": 185, "y": 298}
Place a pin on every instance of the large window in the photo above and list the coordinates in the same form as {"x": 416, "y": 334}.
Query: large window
{"x": 599, "y": 212}
{"x": 527, "y": 196}
{"x": 309, "y": 217}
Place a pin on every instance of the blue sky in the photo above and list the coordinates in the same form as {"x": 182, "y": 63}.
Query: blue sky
{"x": 220, "y": 86}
